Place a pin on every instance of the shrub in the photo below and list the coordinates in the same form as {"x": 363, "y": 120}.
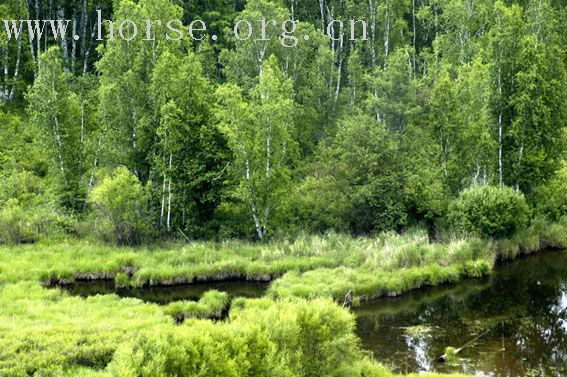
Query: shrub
{"x": 555, "y": 236}
{"x": 121, "y": 202}
{"x": 551, "y": 198}
{"x": 20, "y": 225}
{"x": 27, "y": 211}
{"x": 14, "y": 228}
{"x": 211, "y": 305}
{"x": 263, "y": 338}
{"x": 489, "y": 211}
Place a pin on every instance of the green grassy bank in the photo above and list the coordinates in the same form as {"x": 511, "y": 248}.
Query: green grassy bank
{"x": 45, "y": 332}
{"x": 388, "y": 264}
{"x": 291, "y": 332}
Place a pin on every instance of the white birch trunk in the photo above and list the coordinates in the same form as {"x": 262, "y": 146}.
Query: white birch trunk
{"x": 93, "y": 170}
{"x": 73, "y": 46}
{"x": 253, "y": 202}
{"x": 169, "y": 195}
{"x": 57, "y": 135}
{"x": 500, "y": 131}
{"x": 17, "y": 68}
{"x": 162, "y": 213}
{"x": 372, "y": 10}
{"x": 387, "y": 35}
{"x": 5, "y": 62}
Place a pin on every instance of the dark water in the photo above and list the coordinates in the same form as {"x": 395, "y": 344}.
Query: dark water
{"x": 519, "y": 316}
{"x": 165, "y": 295}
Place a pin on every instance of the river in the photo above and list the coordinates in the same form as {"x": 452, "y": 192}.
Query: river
{"x": 515, "y": 323}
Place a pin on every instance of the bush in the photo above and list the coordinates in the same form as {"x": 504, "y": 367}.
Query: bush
{"x": 551, "y": 198}
{"x": 489, "y": 211}
{"x": 263, "y": 338}
{"x": 19, "y": 225}
{"x": 121, "y": 202}
{"x": 14, "y": 226}
{"x": 211, "y": 305}
{"x": 26, "y": 209}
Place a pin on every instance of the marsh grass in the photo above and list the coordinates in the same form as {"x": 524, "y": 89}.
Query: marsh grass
{"x": 314, "y": 266}
{"x": 393, "y": 264}
{"x": 210, "y": 306}
{"x": 47, "y": 332}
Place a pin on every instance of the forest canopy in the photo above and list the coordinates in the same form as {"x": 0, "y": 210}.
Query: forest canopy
{"x": 137, "y": 141}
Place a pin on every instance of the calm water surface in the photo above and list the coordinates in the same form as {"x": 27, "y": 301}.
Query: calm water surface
{"x": 518, "y": 317}
{"x": 165, "y": 295}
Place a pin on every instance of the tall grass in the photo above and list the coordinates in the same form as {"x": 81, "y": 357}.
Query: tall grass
{"x": 386, "y": 263}
{"x": 46, "y": 332}
{"x": 210, "y": 306}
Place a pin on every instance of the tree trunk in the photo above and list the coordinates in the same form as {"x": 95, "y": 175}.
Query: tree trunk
{"x": 57, "y": 135}
{"x": 93, "y": 170}
{"x": 500, "y": 166}
{"x": 5, "y": 60}
{"x": 73, "y": 46}
{"x": 259, "y": 230}
{"x": 387, "y": 34}
{"x": 322, "y": 10}
{"x": 169, "y": 195}
{"x": 500, "y": 131}
{"x": 414, "y": 37}
{"x": 372, "y": 10}
{"x": 162, "y": 213}
{"x": 17, "y": 68}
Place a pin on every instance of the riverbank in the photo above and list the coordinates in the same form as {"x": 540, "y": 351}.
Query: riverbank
{"x": 48, "y": 332}
{"x": 510, "y": 322}
{"x": 329, "y": 266}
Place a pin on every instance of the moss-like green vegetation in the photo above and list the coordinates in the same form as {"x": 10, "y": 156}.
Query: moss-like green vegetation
{"x": 46, "y": 332}
{"x": 399, "y": 264}
{"x": 388, "y": 264}
{"x": 211, "y": 306}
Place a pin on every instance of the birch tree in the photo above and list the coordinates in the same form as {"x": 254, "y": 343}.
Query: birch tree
{"x": 538, "y": 105}
{"x": 125, "y": 70}
{"x": 55, "y": 111}
{"x": 190, "y": 156}
{"x": 259, "y": 130}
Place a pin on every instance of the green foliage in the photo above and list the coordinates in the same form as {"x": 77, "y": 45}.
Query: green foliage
{"x": 262, "y": 338}
{"x": 551, "y": 197}
{"x": 555, "y": 235}
{"x": 396, "y": 104}
{"x": 126, "y": 70}
{"x": 191, "y": 153}
{"x": 16, "y": 226}
{"x": 27, "y": 210}
{"x": 450, "y": 354}
{"x": 259, "y": 132}
{"x": 489, "y": 211}
{"x": 362, "y": 165}
{"x": 47, "y": 332}
{"x": 211, "y": 305}
{"x": 538, "y": 106}
{"x": 55, "y": 111}
{"x": 327, "y": 135}
{"x": 121, "y": 202}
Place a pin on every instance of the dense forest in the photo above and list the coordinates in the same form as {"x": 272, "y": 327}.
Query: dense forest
{"x": 226, "y": 207}
{"x": 137, "y": 141}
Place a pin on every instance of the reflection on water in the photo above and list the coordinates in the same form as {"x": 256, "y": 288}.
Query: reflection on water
{"x": 165, "y": 295}
{"x": 519, "y": 315}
